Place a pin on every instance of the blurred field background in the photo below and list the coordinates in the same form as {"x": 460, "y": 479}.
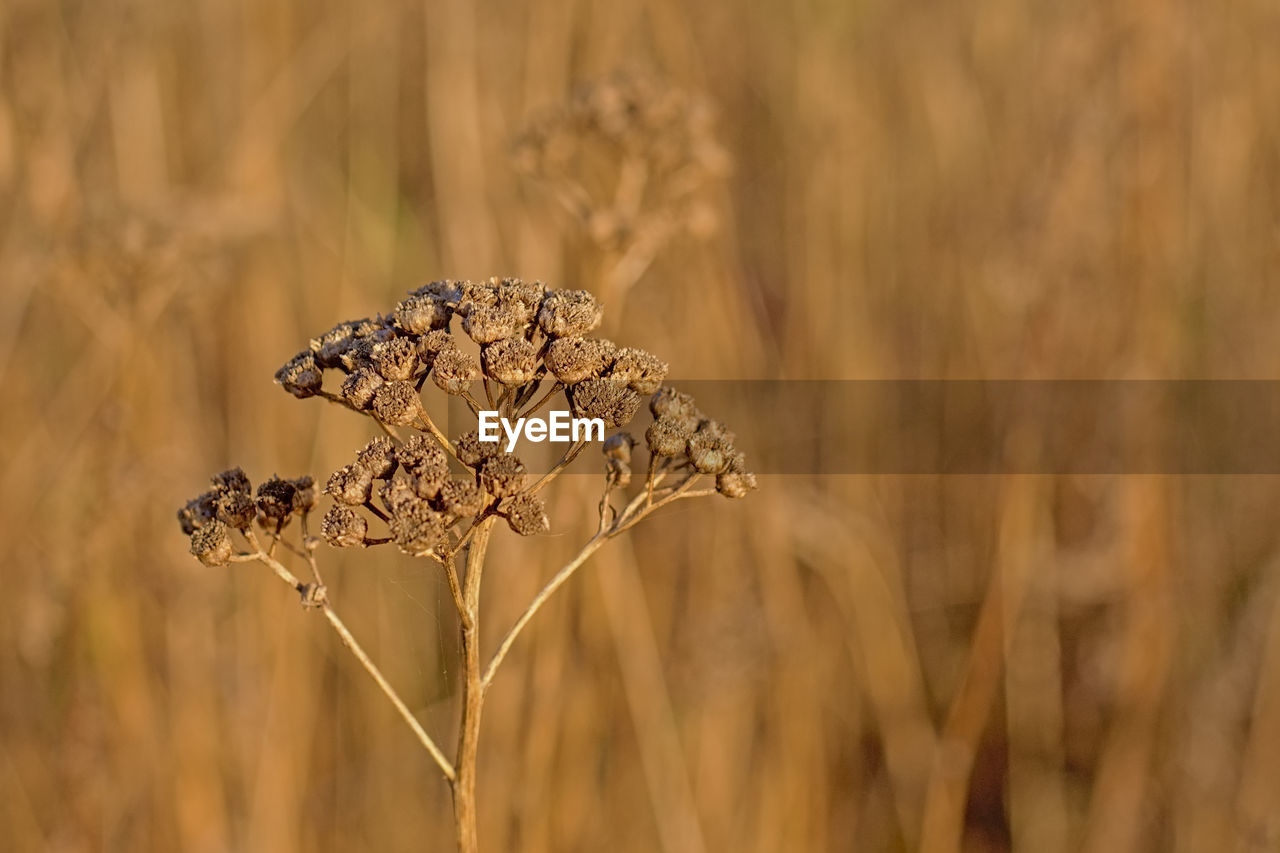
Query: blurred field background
{"x": 982, "y": 189}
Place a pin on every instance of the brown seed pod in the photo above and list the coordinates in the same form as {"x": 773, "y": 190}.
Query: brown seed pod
{"x": 709, "y": 454}
{"x": 460, "y": 499}
{"x": 617, "y": 472}
{"x": 522, "y": 297}
{"x": 420, "y": 453}
{"x": 419, "y": 313}
{"x": 735, "y": 484}
{"x": 613, "y": 402}
{"x": 275, "y": 498}
{"x": 360, "y": 386}
{"x": 211, "y": 544}
{"x": 304, "y": 495}
{"x": 472, "y": 451}
{"x": 575, "y": 359}
{"x": 488, "y": 323}
{"x": 670, "y": 403}
{"x": 301, "y": 376}
{"x": 233, "y": 480}
{"x": 566, "y": 313}
{"x": 454, "y": 371}
{"x": 396, "y": 358}
{"x": 417, "y": 529}
{"x": 618, "y": 446}
{"x": 378, "y": 457}
{"x": 502, "y": 475}
{"x": 526, "y": 514}
{"x": 236, "y": 509}
{"x": 343, "y": 527}
{"x": 427, "y": 482}
{"x": 717, "y": 429}
{"x": 198, "y": 512}
{"x": 396, "y": 494}
{"x": 351, "y": 485}
{"x": 445, "y": 291}
{"x": 397, "y": 404}
{"x": 511, "y": 361}
{"x": 667, "y": 437}
{"x": 641, "y": 370}
{"x": 333, "y": 348}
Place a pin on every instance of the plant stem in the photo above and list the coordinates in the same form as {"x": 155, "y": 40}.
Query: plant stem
{"x": 464, "y": 785}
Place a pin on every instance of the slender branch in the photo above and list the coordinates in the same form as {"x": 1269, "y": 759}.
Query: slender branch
{"x": 565, "y": 460}
{"x": 355, "y": 648}
{"x": 556, "y": 387}
{"x": 540, "y": 599}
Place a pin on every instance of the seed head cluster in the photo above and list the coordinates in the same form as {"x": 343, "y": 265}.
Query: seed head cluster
{"x": 424, "y": 491}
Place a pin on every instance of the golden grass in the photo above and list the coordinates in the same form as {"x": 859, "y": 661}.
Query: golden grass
{"x": 988, "y": 189}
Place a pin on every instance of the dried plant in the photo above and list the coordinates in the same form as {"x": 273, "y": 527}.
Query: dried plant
{"x": 437, "y": 497}
{"x": 628, "y": 157}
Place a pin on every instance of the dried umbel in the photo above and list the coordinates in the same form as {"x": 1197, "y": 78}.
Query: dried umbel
{"x": 437, "y": 498}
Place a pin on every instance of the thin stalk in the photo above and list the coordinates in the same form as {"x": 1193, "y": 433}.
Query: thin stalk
{"x": 464, "y": 786}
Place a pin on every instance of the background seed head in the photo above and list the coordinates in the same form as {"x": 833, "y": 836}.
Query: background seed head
{"x": 527, "y": 515}
{"x": 360, "y": 386}
{"x": 198, "y": 512}
{"x": 511, "y": 361}
{"x": 667, "y": 437}
{"x": 397, "y": 404}
{"x": 709, "y": 453}
{"x": 669, "y": 403}
{"x": 735, "y": 484}
{"x": 569, "y": 312}
{"x": 618, "y": 446}
{"x": 343, "y": 527}
{"x": 304, "y": 494}
{"x": 233, "y": 480}
{"x": 572, "y": 360}
{"x": 236, "y": 509}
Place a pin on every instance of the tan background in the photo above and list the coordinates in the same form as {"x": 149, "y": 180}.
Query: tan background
{"x": 977, "y": 189}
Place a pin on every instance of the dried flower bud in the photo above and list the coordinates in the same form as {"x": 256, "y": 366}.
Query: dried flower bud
{"x": 477, "y": 294}
{"x": 717, "y": 429}
{"x": 420, "y": 453}
{"x": 334, "y": 347}
{"x": 613, "y": 402}
{"x": 397, "y": 404}
{"x": 523, "y": 297}
{"x": 432, "y": 344}
{"x": 397, "y": 494}
{"x": 343, "y": 527}
{"x": 572, "y": 360}
{"x": 527, "y": 515}
{"x": 211, "y": 544}
{"x": 487, "y": 323}
{"x": 445, "y": 291}
{"x": 198, "y": 512}
{"x": 396, "y": 358}
{"x": 427, "y": 483}
{"x": 378, "y": 457}
{"x": 360, "y": 386}
{"x": 350, "y": 484}
{"x": 454, "y": 371}
{"x": 511, "y": 361}
{"x": 735, "y": 484}
{"x": 472, "y": 451}
{"x": 233, "y": 480}
{"x": 617, "y": 473}
{"x": 460, "y": 498}
{"x": 618, "y": 446}
{"x": 708, "y": 453}
{"x": 569, "y": 312}
{"x": 417, "y": 529}
{"x": 237, "y": 509}
{"x": 304, "y": 494}
{"x": 502, "y": 475}
{"x": 640, "y": 369}
{"x": 670, "y": 403}
{"x": 667, "y": 437}
{"x": 275, "y": 498}
{"x": 301, "y": 377}
{"x": 422, "y": 312}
